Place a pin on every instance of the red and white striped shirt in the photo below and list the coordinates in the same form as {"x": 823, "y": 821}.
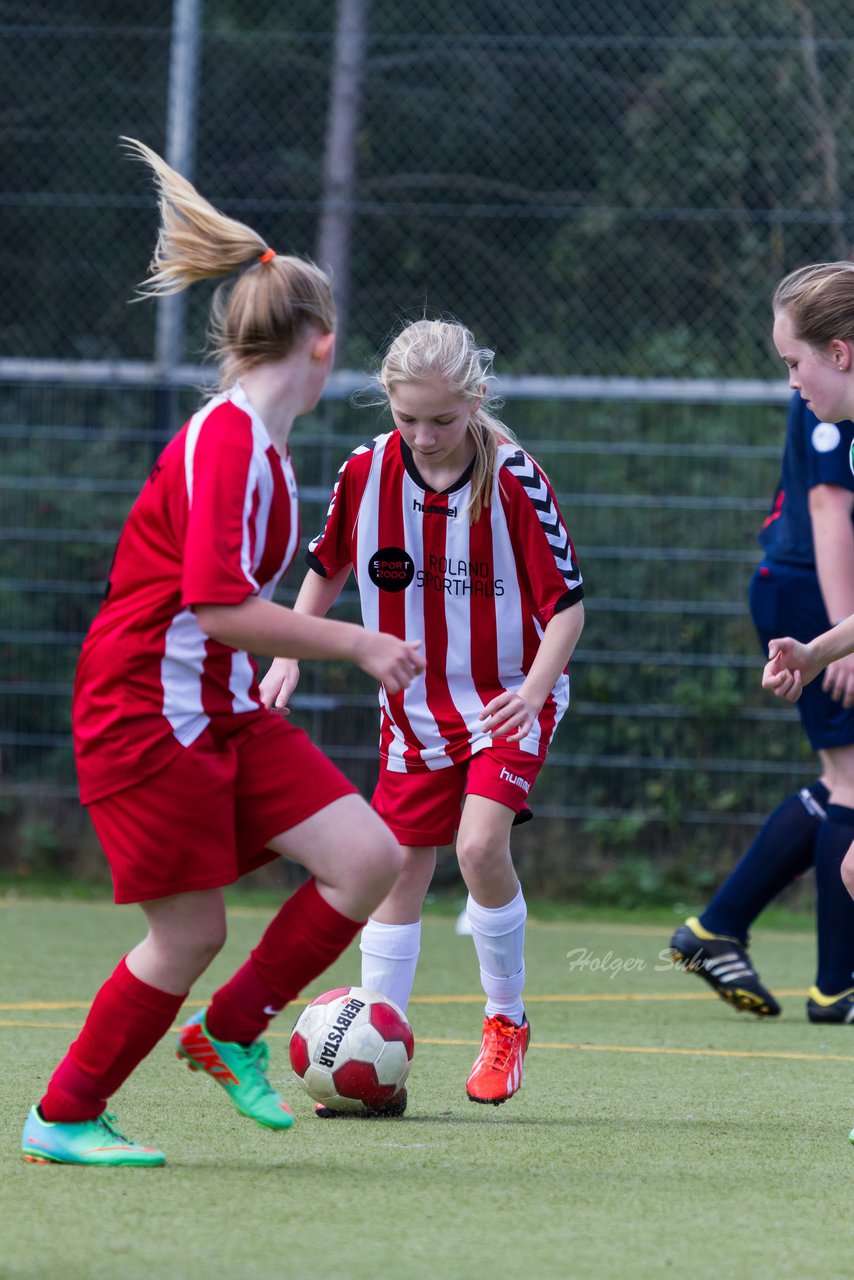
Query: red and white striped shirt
{"x": 216, "y": 521}
{"x": 478, "y": 595}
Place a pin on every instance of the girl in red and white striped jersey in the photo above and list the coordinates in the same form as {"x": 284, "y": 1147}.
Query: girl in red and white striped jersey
{"x": 190, "y": 781}
{"x": 457, "y": 542}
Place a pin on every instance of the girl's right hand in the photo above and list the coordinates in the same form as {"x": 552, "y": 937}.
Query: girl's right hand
{"x": 279, "y": 683}
{"x": 394, "y": 663}
{"x": 789, "y": 667}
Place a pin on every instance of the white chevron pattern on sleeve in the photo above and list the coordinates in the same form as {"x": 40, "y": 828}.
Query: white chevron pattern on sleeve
{"x": 528, "y": 474}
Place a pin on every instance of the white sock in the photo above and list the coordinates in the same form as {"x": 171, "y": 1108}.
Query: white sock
{"x": 389, "y": 957}
{"x": 498, "y": 934}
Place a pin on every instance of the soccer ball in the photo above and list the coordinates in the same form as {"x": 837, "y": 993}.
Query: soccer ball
{"x": 351, "y": 1049}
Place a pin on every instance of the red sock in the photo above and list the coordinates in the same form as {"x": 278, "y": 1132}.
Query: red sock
{"x": 304, "y": 938}
{"x": 126, "y": 1020}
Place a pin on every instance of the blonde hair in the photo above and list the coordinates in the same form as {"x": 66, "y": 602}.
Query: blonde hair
{"x": 819, "y": 298}
{"x": 260, "y": 316}
{"x": 447, "y": 350}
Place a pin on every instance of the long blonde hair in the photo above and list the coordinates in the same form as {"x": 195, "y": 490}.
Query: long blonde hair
{"x": 447, "y": 350}
{"x": 258, "y": 317}
{"x": 819, "y": 298}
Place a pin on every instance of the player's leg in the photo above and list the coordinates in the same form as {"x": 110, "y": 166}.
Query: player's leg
{"x": 497, "y": 914}
{"x": 831, "y": 999}
{"x": 306, "y": 935}
{"x": 154, "y": 843}
{"x": 133, "y": 1010}
{"x": 499, "y": 781}
{"x": 390, "y": 945}
{"x": 291, "y": 802}
{"x": 391, "y": 939}
{"x": 714, "y": 946}
{"x": 422, "y": 811}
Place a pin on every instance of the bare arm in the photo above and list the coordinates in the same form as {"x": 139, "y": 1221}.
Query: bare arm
{"x": 511, "y": 714}
{"x": 791, "y": 664}
{"x": 316, "y": 597}
{"x": 833, "y": 537}
{"x": 262, "y": 627}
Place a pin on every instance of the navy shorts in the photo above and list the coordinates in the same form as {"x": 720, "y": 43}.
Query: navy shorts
{"x": 785, "y": 600}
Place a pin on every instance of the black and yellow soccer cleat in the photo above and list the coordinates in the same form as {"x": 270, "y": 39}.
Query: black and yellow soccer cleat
{"x": 822, "y": 1008}
{"x": 725, "y": 965}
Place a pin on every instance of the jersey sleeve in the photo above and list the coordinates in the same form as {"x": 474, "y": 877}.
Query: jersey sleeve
{"x": 332, "y": 549}
{"x": 222, "y": 493}
{"x": 827, "y": 449}
{"x": 543, "y": 548}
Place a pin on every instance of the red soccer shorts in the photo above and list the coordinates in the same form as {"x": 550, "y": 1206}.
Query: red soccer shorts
{"x": 205, "y": 820}
{"x": 424, "y": 808}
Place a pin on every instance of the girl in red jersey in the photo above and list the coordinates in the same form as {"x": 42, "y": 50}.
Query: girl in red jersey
{"x": 457, "y": 543}
{"x": 190, "y": 781}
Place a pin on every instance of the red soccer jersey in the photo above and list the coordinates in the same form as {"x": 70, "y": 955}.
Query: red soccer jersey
{"x": 478, "y": 595}
{"x": 216, "y": 522}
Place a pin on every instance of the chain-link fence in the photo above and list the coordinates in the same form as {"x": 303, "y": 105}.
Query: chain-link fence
{"x": 670, "y": 753}
{"x": 598, "y": 190}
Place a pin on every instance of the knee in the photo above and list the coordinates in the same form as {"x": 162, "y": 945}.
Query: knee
{"x": 847, "y": 871}
{"x": 382, "y": 861}
{"x": 475, "y": 855}
{"x": 209, "y": 945}
{"x": 194, "y": 948}
{"x": 373, "y": 861}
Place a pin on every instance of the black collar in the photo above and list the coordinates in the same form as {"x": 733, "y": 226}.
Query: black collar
{"x": 414, "y": 474}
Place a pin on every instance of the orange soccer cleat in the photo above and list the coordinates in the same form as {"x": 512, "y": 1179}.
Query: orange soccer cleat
{"x": 497, "y": 1072}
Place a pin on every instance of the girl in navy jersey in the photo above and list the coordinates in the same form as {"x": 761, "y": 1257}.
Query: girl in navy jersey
{"x": 805, "y": 578}
{"x": 190, "y": 781}
{"x": 457, "y": 543}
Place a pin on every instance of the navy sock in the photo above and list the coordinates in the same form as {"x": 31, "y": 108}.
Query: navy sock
{"x": 834, "y": 904}
{"x": 783, "y": 849}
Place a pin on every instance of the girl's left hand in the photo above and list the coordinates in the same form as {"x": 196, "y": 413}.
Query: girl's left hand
{"x": 279, "y": 683}
{"x": 508, "y": 716}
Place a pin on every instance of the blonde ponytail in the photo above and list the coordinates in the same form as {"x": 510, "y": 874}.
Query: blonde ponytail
{"x": 262, "y": 314}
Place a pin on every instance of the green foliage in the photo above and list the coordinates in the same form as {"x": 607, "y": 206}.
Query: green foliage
{"x": 38, "y": 848}
{"x": 599, "y": 189}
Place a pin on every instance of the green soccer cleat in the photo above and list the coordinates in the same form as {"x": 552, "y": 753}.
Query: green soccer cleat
{"x": 91, "y": 1142}
{"x": 239, "y": 1069}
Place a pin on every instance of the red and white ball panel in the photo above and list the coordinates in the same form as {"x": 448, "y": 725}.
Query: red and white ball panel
{"x": 351, "y": 1049}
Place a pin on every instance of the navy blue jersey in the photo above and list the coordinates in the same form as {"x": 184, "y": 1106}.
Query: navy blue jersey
{"x": 816, "y": 453}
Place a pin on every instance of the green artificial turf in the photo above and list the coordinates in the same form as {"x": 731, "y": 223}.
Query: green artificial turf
{"x": 658, "y": 1132}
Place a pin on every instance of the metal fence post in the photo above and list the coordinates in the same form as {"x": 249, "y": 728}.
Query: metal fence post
{"x": 180, "y": 153}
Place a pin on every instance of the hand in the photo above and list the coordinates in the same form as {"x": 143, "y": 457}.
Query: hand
{"x": 839, "y": 681}
{"x": 509, "y": 716}
{"x": 279, "y": 683}
{"x": 394, "y": 663}
{"x": 789, "y": 667}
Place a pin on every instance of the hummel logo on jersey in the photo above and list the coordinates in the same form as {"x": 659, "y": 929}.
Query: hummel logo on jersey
{"x": 514, "y": 780}
{"x": 433, "y": 509}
